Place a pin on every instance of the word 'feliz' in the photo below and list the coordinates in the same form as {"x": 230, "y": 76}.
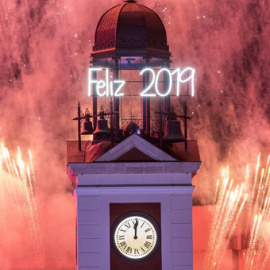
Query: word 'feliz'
{"x": 107, "y": 87}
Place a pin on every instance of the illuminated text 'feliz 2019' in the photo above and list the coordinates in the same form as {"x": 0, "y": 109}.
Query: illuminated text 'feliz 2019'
{"x": 110, "y": 88}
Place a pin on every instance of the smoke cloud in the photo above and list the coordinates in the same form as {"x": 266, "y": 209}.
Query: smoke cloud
{"x": 45, "y": 47}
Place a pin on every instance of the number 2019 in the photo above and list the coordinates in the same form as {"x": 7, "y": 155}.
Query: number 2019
{"x": 182, "y": 76}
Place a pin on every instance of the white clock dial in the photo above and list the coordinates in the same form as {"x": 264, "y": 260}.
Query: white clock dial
{"x": 136, "y": 236}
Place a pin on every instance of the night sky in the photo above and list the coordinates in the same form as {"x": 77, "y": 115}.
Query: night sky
{"x": 45, "y": 48}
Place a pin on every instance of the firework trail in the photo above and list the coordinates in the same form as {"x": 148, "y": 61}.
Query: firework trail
{"x": 17, "y": 191}
{"x": 258, "y": 252}
{"x": 229, "y": 205}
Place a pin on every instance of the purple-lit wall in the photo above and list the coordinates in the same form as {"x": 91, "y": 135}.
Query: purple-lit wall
{"x": 93, "y": 209}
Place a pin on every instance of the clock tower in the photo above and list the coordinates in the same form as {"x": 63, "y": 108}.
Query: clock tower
{"x": 132, "y": 178}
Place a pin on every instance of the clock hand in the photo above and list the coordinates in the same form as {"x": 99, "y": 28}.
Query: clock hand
{"x": 135, "y": 228}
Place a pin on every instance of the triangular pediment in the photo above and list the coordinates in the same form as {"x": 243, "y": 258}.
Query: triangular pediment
{"x": 134, "y": 155}
{"x": 135, "y": 148}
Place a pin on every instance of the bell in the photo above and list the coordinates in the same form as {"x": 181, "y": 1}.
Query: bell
{"x": 173, "y": 132}
{"x": 102, "y": 131}
{"x": 87, "y": 127}
{"x": 131, "y": 128}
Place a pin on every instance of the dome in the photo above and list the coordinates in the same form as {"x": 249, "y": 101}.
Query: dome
{"x": 130, "y": 26}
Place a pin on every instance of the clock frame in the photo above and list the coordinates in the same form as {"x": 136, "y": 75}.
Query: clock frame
{"x": 146, "y": 228}
{"x": 119, "y": 209}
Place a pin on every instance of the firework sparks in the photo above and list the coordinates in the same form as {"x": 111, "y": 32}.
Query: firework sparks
{"x": 17, "y": 191}
{"x": 259, "y": 215}
{"x": 229, "y": 205}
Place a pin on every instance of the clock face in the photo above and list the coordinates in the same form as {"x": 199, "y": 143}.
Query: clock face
{"x": 135, "y": 236}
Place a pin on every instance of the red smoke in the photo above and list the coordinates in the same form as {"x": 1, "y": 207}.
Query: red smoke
{"x": 45, "y": 48}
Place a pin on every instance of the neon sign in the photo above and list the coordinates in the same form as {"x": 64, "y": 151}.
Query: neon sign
{"x": 114, "y": 88}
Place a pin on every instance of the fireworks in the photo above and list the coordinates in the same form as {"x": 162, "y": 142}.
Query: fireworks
{"x": 258, "y": 216}
{"x": 18, "y": 204}
{"x": 229, "y": 205}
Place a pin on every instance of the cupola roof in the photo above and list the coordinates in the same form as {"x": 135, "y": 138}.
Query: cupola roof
{"x": 130, "y": 26}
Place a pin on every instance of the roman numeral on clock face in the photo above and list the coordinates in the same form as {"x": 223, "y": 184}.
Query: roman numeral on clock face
{"x": 128, "y": 225}
{"x": 136, "y": 251}
{"x": 121, "y": 237}
{"x": 149, "y": 237}
{"x": 147, "y": 244}
{"x": 147, "y": 230}
{"x": 129, "y": 250}
{"x": 123, "y": 245}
